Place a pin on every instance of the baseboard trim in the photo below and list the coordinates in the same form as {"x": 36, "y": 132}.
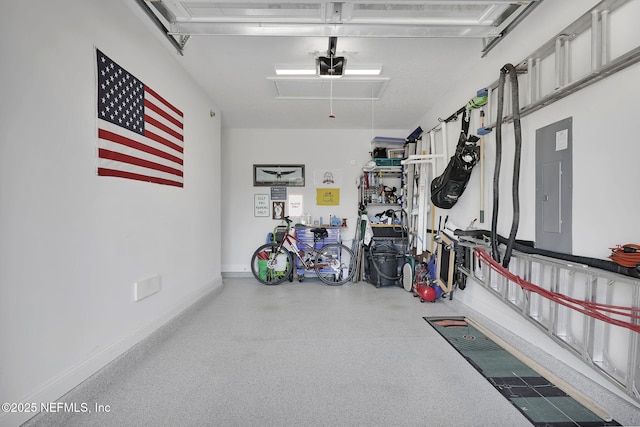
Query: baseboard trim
{"x": 231, "y": 274}
{"x": 236, "y": 268}
{"x": 58, "y": 386}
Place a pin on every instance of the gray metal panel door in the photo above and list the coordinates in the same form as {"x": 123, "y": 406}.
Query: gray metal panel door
{"x": 554, "y": 183}
{"x": 551, "y": 197}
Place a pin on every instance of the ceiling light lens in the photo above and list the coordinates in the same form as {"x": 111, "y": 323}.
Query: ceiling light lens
{"x": 302, "y": 70}
{"x": 295, "y": 71}
{"x": 363, "y": 72}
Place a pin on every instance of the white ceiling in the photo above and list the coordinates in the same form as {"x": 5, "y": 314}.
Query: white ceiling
{"x": 231, "y": 50}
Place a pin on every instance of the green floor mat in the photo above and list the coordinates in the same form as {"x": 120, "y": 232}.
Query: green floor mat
{"x": 534, "y": 396}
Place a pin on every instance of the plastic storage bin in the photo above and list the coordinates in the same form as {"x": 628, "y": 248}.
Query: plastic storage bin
{"x": 388, "y": 162}
{"x": 305, "y": 235}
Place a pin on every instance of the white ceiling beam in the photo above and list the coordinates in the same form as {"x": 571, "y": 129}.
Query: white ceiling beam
{"x": 468, "y": 30}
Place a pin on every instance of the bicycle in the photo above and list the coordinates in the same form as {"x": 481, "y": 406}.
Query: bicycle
{"x": 273, "y": 263}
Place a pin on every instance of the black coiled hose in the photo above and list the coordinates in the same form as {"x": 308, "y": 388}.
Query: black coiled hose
{"x": 515, "y": 188}
{"x": 495, "y": 253}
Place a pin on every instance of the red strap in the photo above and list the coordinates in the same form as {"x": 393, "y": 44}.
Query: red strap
{"x": 596, "y": 310}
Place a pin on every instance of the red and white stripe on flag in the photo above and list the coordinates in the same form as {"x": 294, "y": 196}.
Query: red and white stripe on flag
{"x": 140, "y": 134}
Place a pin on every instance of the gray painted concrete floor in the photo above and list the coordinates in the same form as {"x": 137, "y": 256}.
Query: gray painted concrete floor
{"x": 305, "y": 354}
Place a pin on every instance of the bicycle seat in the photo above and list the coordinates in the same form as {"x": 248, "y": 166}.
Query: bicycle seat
{"x": 320, "y": 233}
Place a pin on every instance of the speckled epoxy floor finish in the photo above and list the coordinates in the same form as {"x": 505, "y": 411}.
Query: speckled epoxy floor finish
{"x": 301, "y": 354}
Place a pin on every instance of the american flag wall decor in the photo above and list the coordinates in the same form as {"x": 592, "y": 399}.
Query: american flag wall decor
{"x": 140, "y": 134}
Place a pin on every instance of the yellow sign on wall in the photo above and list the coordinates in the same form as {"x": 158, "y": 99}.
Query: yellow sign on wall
{"x": 327, "y": 196}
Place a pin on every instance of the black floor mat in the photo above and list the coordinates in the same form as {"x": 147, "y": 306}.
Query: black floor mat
{"x": 536, "y": 398}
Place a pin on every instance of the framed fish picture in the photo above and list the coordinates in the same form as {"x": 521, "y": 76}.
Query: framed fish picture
{"x": 278, "y": 175}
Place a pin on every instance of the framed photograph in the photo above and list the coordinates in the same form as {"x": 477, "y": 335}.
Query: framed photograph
{"x": 278, "y": 210}
{"x": 278, "y": 175}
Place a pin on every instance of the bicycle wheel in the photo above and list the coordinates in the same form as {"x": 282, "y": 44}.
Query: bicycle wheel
{"x": 270, "y": 266}
{"x": 339, "y": 264}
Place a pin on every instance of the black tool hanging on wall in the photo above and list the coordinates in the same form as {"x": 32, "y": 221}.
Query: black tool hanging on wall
{"x": 448, "y": 187}
{"x": 515, "y": 106}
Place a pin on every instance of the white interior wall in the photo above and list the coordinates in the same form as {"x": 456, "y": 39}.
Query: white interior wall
{"x": 603, "y": 208}
{"x": 72, "y": 244}
{"x": 343, "y": 150}
{"x": 604, "y": 173}
{"x": 604, "y": 151}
